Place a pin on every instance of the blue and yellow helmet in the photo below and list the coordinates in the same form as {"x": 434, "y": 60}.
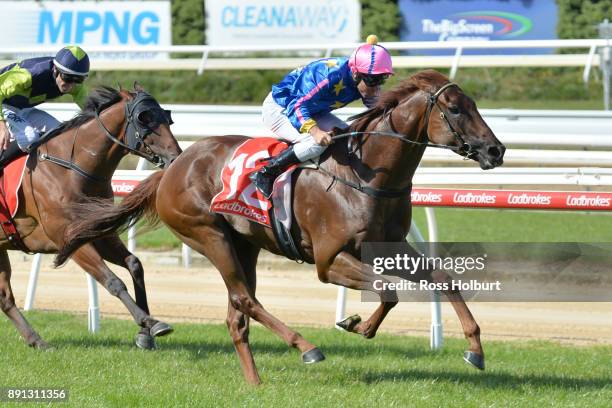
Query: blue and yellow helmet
{"x": 72, "y": 60}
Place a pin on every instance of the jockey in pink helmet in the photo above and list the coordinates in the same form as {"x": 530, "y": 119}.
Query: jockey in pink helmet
{"x": 299, "y": 107}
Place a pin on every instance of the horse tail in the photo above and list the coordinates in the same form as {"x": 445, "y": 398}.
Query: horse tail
{"x": 98, "y": 217}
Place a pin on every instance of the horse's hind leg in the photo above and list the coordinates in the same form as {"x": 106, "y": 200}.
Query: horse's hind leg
{"x": 238, "y": 322}
{"x": 114, "y": 251}
{"x": 215, "y": 243}
{"x": 7, "y": 303}
{"x": 88, "y": 258}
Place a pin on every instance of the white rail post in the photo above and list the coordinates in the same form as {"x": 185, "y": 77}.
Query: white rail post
{"x": 142, "y": 163}
{"x": 455, "y": 66}
{"x": 436, "y": 335}
{"x": 203, "y": 62}
{"x": 32, "y": 282}
{"x": 589, "y": 64}
{"x": 186, "y": 255}
{"x": 340, "y": 306}
{"x": 93, "y": 315}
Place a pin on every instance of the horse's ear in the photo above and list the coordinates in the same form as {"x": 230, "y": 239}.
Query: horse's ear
{"x": 138, "y": 87}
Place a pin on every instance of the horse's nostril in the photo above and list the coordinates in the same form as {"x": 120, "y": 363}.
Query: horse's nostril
{"x": 494, "y": 151}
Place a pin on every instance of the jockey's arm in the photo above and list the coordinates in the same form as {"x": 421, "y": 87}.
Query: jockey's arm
{"x": 16, "y": 81}
{"x": 12, "y": 82}
{"x": 302, "y": 118}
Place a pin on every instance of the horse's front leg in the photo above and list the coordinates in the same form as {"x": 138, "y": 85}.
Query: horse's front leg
{"x": 112, "y": 249}
{"x": 348, "y": 271}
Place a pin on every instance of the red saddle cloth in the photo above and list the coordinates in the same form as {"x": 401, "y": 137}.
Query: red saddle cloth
{"x": 12, "y": 176}
{"x": 239, "y": 196}
{"x": 11, "y": 183}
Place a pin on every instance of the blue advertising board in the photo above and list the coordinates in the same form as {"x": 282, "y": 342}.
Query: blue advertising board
{"x": 493, "y": 20}
{"x": 87, "y": 23}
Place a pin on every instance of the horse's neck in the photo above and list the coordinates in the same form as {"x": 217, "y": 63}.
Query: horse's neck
{"x": 394, "y": 161}
{"x": 89, "y": 148}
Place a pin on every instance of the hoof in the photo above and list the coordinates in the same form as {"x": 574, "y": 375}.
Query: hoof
{"x": 349, "y": 323}
{"x": 313, "y": 356}
{"x": 161, "y": 329}
{"x": 41, "y": 345}
{"x": 145, "y": 341}
{"x": 474, "y": 359}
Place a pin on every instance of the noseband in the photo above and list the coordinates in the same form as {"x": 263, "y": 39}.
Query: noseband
{"x": 137, "y": 131}
{"x": 432, "y": 101}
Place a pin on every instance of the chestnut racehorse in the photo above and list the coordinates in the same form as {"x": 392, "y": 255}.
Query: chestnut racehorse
{"x": 78, "y": 161}
{"x": 367, "y": 200}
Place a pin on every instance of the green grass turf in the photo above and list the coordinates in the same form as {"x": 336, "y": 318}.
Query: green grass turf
{"x": 196, "y": 366}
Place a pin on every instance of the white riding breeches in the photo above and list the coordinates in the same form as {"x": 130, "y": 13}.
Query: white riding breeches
{"x": 28, "y": 124}
{"x": 305, "y": 147}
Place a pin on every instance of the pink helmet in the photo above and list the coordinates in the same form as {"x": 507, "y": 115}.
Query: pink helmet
{"x": 371, "y": 58}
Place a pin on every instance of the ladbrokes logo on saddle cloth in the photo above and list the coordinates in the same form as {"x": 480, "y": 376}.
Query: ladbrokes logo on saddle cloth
{"x": 239, "y": 196}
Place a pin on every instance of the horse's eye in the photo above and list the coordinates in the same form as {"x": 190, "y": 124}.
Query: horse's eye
{"x": 453, "y": 109}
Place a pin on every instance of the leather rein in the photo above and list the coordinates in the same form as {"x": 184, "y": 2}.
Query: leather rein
{"x": 465, "y": 148}
{"x": 135, "y": 133}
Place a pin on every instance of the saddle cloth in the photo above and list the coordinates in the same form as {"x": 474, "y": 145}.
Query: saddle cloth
{"x": 240, "y": 197}
{"x": 11, "y": 183}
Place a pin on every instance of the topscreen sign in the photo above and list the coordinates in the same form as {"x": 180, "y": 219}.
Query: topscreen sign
{"x": 489, "y": 20}
{"x": 254, "y": 22}
{"x": 87, "y": 23}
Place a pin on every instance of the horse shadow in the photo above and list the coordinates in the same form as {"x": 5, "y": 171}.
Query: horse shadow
{"x": 204, "y": 349}
{"x": 487, "y": 380}
{"x": 201, "y": 349}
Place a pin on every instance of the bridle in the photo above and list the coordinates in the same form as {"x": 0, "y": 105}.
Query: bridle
{"x": 432, "y": 101}
{"x": 464, "y": 148}
{"x": 136, "y": 131}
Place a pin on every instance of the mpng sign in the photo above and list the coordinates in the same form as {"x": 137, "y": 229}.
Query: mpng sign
{"x": 282, "y": 21}
{"x": 87, "y": 23}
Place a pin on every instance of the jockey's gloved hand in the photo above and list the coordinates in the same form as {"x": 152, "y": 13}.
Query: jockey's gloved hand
{"x": 5, "y": 136}
{"x": 321, "y": 137}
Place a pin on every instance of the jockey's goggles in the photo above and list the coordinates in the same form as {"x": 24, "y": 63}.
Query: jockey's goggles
{"x": 72, "y": 79}
{"x": 374, "y": 80}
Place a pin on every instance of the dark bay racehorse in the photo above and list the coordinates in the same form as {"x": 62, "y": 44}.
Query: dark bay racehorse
{"x": 333, "y": 220}
{"x": 77, "y": 163}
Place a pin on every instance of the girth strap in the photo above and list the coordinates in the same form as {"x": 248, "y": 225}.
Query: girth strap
{"x": 372, "y": 192}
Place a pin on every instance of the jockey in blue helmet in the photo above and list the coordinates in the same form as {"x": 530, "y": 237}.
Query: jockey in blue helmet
{"x": 33, "y": 81}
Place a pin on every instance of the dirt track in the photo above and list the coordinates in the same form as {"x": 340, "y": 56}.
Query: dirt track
{"x": 295, "y": 295}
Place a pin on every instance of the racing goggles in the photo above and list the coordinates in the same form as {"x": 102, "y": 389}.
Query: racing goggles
{"x": 72, "y": 79}
{"x": 374, "y": 80}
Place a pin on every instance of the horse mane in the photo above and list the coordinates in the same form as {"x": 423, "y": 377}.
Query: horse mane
{"x": 429, "y": 80}
{"x": 98, "y": 99}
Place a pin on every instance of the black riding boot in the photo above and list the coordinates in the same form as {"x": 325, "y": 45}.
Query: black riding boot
{"x": 264, "y": 178}
{"x": 11, "y": 153}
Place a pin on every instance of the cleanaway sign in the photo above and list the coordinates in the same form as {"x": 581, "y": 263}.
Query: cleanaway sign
{"x": 253, "y": 22}
{"x": 87, "y": 23}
